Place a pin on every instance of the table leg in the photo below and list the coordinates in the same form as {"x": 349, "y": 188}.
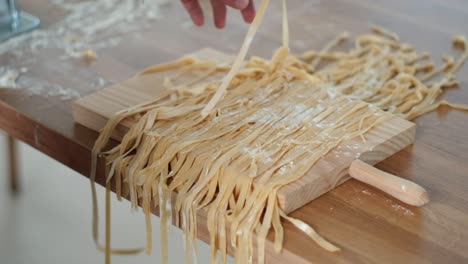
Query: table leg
{"x": 13, "y": 162}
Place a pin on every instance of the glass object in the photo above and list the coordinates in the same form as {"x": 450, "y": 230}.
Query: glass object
{"x": 13, "y": 21}
{"x": 9, "y": 14}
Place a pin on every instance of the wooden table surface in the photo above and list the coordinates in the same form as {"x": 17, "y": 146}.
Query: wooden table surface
{"x": 369, "y": 226}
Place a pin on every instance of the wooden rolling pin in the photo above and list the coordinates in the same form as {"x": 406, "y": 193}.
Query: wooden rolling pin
{"x": 403, "y": 190}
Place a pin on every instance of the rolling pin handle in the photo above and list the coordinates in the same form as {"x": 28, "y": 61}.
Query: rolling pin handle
{"x": 402, "y": 189}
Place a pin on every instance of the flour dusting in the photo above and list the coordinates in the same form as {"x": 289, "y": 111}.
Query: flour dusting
{"x": 402, "y": 209}
{"x": 89, "y": 25}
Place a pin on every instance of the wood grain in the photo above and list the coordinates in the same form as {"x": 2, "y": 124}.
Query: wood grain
{"x": 368, "y": 225}
{"x": 384, "y": 140}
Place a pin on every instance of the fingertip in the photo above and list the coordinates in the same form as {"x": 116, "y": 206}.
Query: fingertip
{"x": 220, "y": 24}
{"x": 195, "y": 11}
{"x": 249, "y": 18}
{"x": 219, "y": 13}
{"x": 198, "y": 20}
{"x": 220, "y": 21}
{"x": 249, "y": 13}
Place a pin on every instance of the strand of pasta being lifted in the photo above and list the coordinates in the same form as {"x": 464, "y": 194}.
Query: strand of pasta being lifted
{"x": 227, "y": 142}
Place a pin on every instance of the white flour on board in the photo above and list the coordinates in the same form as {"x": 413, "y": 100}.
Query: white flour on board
{"x": 89, "y": 24}
{"x": 402, "y": 209}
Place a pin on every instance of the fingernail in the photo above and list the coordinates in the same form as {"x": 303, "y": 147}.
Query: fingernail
{"x": 220, "y": 25}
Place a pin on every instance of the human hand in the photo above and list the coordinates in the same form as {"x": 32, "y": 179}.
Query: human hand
{"x": 219, "y": 7}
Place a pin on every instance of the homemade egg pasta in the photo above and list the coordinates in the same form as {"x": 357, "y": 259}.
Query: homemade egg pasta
{"x": 227, "y": 141}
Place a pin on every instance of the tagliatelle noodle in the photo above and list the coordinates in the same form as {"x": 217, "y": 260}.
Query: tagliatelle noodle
{"x": 381, "y": 71}
{"x": 239, "y": 59}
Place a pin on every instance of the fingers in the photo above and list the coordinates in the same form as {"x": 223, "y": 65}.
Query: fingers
{"x": 249, "y": 12}
{"x": 237, "y": 4}
{"x": 195, "y": 11}
{"x": 220, "y": 10}
{"x": 219, "y": 13}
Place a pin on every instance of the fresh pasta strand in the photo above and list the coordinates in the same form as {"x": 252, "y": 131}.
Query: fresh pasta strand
{"x": 239, "y": 59}
{"x": 285, "y": 26}
{"x": 389, "y": 82}
{"x": 311, "y": 233}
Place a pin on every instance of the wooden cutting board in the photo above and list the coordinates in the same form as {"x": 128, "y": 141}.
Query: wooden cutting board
{"x": 384, "y": 140}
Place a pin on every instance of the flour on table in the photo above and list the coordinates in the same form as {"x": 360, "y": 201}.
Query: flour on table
{"x": 88, "y": 25}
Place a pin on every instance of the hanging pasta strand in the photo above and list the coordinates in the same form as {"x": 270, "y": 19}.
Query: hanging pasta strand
{"x": 285, "y": 26}
{"x": 239, "y": 60}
